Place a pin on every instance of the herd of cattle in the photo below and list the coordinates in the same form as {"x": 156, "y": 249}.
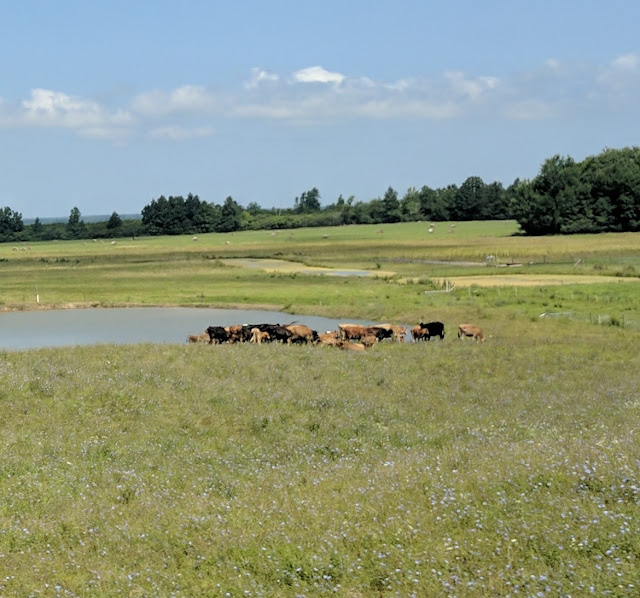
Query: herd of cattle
{"x": 354, "y": 337}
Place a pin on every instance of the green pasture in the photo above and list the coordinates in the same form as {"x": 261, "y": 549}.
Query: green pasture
{"x": 424, "y": 469}
{"x": 447, "y": 468}
{"x": 409, "y": 267}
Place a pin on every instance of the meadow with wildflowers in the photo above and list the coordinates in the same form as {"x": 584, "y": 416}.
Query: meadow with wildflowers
{"x": 447, "y": 468}
{"x": 418, "y": 469}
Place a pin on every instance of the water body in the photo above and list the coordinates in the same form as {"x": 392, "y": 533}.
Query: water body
{"x": 285, "y": 266}
{"x": 69, "y": 327}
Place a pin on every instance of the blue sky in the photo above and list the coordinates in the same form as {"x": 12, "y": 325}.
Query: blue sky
{"x": 108, "y": 105}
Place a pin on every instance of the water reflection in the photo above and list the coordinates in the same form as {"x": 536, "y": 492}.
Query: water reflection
{"x": 67, "y": 327}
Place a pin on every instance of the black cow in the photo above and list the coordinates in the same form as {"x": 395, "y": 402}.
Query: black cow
{"x": 217, "y": 334}
{"x": 433, "y": 329}
{"x": 276, "y": 332}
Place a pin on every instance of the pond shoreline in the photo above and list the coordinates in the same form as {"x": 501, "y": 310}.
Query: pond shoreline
{"x": 26, "y": 307}
{"x": 73, "y": 325}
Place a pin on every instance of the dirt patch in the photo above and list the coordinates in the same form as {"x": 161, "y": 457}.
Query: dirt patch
{"x": 287, "y": 267}
{"x": 518, "y": 280}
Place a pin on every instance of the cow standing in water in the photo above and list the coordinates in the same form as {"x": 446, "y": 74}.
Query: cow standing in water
{"x": 471, "y": 331}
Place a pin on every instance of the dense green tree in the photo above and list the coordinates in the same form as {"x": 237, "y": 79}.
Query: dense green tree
{"x": 10, "y": 224}
{"x": 308, "y": 202}
{"x": 114, "y": 221}
{"x": 433, "y": 204}
{"x": 601, "y": 193}
{"x": 76, "y": 228}
{"x": 410, "y": 205}
{"x": 230, "y": 216}
{"x": 614, "y": 180}
{"x": 495, "y": 203}
{"x": 468, "y": 200}
{"x": 37, "y": 227}
{"x": 390, "y": 206}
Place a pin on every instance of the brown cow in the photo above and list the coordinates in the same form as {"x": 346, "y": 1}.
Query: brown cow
{"x": 471, "y": 331}
{"x": 369, "y": 340}
{"x": 301, "y": 333}
{"x": 356, "y": 332}
{"x": 352, "y": 331}
{"x": 259, "y": 336}
{"x": 198, "y": 338}
{"x": 235, "y": 330}
{"x": 418, "y": 333}
{"x": 328, "y": 338}
{"x": 346, "y": 345}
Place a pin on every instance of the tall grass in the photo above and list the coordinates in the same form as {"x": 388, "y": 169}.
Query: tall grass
{"x": 444, "y": 468}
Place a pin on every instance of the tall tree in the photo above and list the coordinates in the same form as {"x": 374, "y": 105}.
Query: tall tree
{"x": 114, "y": 221}
{"x": 230, "y": 216}
{"x": 391, "y": 206}
{"x": 37, "y": 226}
{"x": 469, "y": 199}
{"x": 410, "y": 205}
{"x": 10, "y": 223}
{"x": 433, "y": 204}
{"x": 308, "y": 202}
{"x": 76, "y": 228}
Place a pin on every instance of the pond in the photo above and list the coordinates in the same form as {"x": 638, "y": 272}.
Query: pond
{"x": 68, "y": 327}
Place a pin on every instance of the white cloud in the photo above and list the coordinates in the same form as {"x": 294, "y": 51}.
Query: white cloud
{"x": 472, "y": 88}
{"x": 188, "y": 98}
{"x": 554, "y": 89}
{"x": 620, "y": 78}
{"x": 316, "y": 74}
{"x": 54, "y": 108}
{"x": 628, "y": 62}
{"x": 260, "y": 76}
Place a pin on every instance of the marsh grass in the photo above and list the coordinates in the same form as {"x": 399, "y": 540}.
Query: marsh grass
{"x": 445, "y": 468}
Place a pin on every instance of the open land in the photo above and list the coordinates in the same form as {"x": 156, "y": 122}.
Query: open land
{"x": 416, "y": 469}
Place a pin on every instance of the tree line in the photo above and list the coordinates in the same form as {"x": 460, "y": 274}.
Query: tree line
{"x": 599, "y": 194}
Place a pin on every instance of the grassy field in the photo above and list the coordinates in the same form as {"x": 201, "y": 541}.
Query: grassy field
{"x": 406, "y": 261}
{"x": 508, "y": 468}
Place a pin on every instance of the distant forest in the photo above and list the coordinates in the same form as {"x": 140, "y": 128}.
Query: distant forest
{"x": 599, "y": 194}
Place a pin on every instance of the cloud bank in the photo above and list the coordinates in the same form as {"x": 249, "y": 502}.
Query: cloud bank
{"x": 315, "y": 95}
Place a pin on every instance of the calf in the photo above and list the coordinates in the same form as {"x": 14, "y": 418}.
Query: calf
{"x": 426, "y": 331}
{"x": 258, "y": 336}
{"x": 348, "y": 346}
{"x": 471, "y": 331}
{"x": 418, "y": 333}
{"x": 369, "y": 340}
{"x": 328, "y": 338}
{"x": 198, "y": 338}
